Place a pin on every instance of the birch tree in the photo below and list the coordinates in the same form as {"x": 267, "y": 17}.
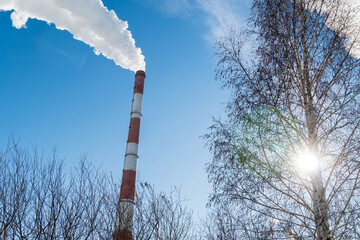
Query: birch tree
{"x": 295, "y": 104}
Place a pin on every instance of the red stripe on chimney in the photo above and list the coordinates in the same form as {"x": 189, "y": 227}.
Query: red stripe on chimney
{"x": 122, "y": 235}
{"x": 134, "y": 130}
{"x": 139, "y": 83}
{"x": 128, "y": 185}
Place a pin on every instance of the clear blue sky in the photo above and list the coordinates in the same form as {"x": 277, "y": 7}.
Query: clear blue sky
{"x": 54, "y": 91}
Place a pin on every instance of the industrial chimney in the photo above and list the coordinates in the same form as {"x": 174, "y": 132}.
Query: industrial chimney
{"x": 125, "y": 214}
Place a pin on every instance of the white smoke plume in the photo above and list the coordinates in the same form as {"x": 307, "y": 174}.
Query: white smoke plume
{"x": 88, "y": 20}
{"x": 343, "y": 17}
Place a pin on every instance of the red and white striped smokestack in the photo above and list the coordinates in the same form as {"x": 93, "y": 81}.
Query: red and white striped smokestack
{"x": 124, "y": 225}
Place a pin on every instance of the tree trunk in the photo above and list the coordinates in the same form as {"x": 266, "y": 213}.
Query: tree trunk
{"x": 319, "y": 195}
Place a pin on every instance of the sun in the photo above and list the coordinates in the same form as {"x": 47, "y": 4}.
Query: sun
{"x": 307, "y": 162}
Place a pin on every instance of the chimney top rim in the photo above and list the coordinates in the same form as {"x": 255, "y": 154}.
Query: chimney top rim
{"x": 140, "y": 72}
